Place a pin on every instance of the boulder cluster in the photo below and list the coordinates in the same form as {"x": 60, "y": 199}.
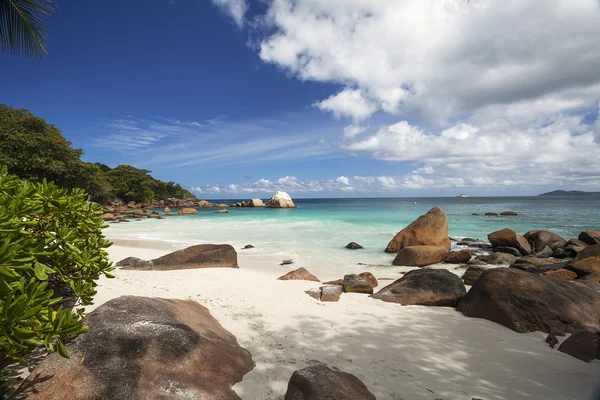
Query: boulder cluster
{"x": 118, "y": 211}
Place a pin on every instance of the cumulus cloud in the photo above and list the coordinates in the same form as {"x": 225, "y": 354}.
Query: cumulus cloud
{"x": 348, "y": 103}
{"x": 482, "y": 92}
{"x": 235, "y": 8}
{"x": 441, "y": 58}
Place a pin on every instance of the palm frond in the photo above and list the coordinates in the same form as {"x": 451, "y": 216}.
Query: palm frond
{"x": 22, "y": 26}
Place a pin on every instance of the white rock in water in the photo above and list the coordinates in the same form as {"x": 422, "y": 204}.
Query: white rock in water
{"x": 280, "y": 200}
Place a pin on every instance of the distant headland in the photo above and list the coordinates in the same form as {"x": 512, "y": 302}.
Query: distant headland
{"x": 570, "y": 193}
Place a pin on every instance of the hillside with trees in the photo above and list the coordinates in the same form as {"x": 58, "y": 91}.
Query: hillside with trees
{"x": 32, "y": 149}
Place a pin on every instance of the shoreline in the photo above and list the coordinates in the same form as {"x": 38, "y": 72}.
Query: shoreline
{"x": 410, "y": 352}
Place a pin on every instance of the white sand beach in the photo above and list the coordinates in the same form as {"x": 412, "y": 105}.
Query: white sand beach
{"x": 399, "y": 352}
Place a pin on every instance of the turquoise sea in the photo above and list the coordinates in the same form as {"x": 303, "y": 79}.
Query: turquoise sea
{"x": 315, "y": 233}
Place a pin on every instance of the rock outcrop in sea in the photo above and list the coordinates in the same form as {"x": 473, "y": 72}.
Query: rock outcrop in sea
{"x": 280, "y": 200}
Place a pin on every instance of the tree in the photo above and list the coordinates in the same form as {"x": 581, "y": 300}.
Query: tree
{"x": 52, "y": 252}
{"x": 33, "y": 149}
{"x": 131, "y": 183}
{"x": 22, "y": 26}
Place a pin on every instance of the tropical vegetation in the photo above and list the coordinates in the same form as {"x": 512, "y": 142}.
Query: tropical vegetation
{"x": 33, "y": 149}
{"x": 23, "y": 28}
{"x": 52, "y": 252}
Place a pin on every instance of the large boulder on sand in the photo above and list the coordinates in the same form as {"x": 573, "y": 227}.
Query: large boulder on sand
{"x": 199, "y": 256}
{"x": 255, "y": 203}
{"x": 185, "y": 211}
{"x": 509, "y": 238}
{"x": 525, "y": 302}
{"x": 430, "y": 229}
{"x": 426, "y": 287}
{"x": 144, "y": 348}
{"x": 300, "y": 274}
{"x": 590, "y": 237}
{"x": 280, "y": 200}
{"x": 472, "y": 274}
{"x": 582, "y": 345}
{"x": 587, "y": 261}
{"x": 420, "y": 256}
{"x": 540, "y": 239}
{"x": 319, "y": 382}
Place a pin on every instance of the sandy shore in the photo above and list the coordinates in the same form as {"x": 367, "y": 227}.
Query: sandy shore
{"x": 399, "y": 352}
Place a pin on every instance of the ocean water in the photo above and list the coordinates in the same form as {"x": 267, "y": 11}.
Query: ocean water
{"x": 315, "y": 233}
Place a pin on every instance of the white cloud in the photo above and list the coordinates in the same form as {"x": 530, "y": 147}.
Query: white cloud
{"x": 353, "y": 130}
{"x": 440, "y": 58}
{"x": 348, "y": 103}
{"x": 343, "y": 180}
{"x": 235, "y": 8}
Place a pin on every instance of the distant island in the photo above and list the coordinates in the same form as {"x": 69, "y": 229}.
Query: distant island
{"x": 570, "y": 193}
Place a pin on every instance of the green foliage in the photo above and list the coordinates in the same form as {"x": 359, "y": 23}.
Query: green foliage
{"x": 22, "y": 26}
{"x": 33, "y": 149}
{"x": 52, "y": 252}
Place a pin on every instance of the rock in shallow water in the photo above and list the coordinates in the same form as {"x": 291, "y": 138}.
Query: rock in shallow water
{"x": 427, "y": 287}
{"x": 509, "y": 238}
{"x": 420, "y": 256}
{"x": 430, "y": 229}
{"x": 144, "y": 348}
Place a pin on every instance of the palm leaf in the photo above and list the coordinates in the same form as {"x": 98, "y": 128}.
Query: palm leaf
{"x": 22, "y": 26}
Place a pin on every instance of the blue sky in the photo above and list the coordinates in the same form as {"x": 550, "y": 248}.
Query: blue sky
{"x": 236, "y": 98}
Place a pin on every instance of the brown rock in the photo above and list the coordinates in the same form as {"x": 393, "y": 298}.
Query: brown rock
{"x": 540, "y": 239}
{"x": 370, "y": 278}
{"x": 167, "y": 210}
{"x": 222, "y": 211}
{"x": 255, "y": 203}
{"x": 459, "y": 257}
{"x": 336, "y": 282}
{"x": 591, "y": 277}
{"x": 563, "y": 274}
{"x": 331, "y": 293}
{"x": 491, "y": 214}
{"x": 475, "y": 261}
{"x": 472, "y": 274}
{"x": 109, "y": 217}
{"x": 525, "y": 302}
{"x": 430, "y": 229}
{"x": 590, "y": 237}
{"x": 587, "y": 261}
{"x": 508, "y": 213}
{"x": 420, "y": 256}
{"x": 137, "y": 212}
{"x": 353, "y": 246}
{"x": 185, "y": 211}
{"x": 498, "y": 259}
{"x": 545, "y": 252}
{"x": 355, "y": 284}
{"x": 199, "y": 256}
{"x": 533, "y": 260}
{"x": 144, "y": 348}
{"x": 427, "y": 287}
{"x": 508, "y": 250}
{"x": 584, "y": 346}
{"x": 300, "y": 274}
{"x": 318, "y": 382}
{"x": 508, "y": 237}
{"x": 577, "y": 242}
{"x": 248, "y": 246}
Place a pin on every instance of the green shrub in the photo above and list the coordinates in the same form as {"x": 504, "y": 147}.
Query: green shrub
{"x": 52, "y": 252}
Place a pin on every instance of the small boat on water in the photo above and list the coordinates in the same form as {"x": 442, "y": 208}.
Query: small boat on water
{"x": 462, "y": 195}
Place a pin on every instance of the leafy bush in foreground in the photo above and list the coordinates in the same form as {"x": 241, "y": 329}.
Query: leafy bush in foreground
{"x": 52, "y": 251}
